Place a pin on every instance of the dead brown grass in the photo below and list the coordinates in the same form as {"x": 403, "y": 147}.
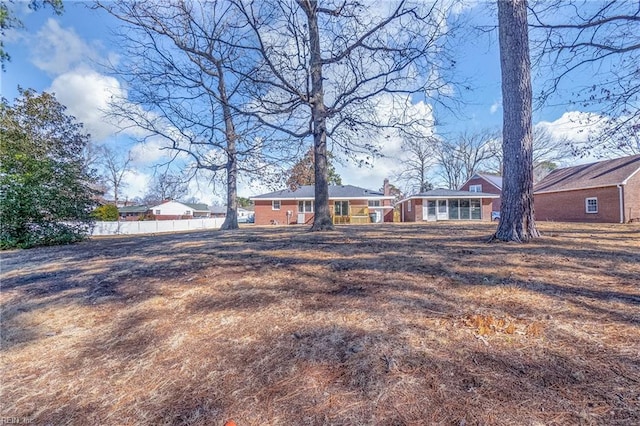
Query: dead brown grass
{"x": 389, "y": 325}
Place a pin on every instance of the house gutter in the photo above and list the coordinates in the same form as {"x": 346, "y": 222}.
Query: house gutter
{"x": 621, "y": 197}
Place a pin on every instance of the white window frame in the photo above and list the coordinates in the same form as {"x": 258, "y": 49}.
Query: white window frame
{"x": 304, "y": 206}
{"x": 475, "y": 188}
{"x": 409, "y": 205}
{"x": 274, "y": 203}
{"x": 373, "y": 203}
{"x": 157, "y": 212}
{"x": 587, "y": 205}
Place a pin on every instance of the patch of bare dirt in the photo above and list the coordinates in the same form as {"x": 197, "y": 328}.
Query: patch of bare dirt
{"x": 392, "y": 325}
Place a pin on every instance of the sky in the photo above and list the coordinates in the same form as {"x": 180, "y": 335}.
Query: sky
{"x": 65, "y": 54}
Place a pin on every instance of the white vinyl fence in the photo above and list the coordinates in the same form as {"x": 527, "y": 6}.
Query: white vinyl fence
{"x": 155, "y": 226}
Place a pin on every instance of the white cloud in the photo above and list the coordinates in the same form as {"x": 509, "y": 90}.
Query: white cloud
{"x": 150, "y": 151}
{"x": 87, "y": 95}
{"x": 494, "y": 106}
{"x": 389, "y": 142}
{"x": 57, "y": 50}
{"x": 576, "y": 126}
{"x": 135, "y": 183}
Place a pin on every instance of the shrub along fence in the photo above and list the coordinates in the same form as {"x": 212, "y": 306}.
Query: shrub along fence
{"x": 153, "y": 227}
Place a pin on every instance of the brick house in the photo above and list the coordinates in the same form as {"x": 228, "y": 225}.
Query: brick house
{"x": 447, "y": 204}
{"x": 487, "y": 183}
{"x": 606, "y": 191}
{"x": 347, "y": 203}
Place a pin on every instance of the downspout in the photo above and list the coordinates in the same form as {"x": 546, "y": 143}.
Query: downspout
{"x": 402, "y": 212}
{"x": 621, "y": 197}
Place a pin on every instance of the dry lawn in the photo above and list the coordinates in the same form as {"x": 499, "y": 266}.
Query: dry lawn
{"x": 366, "y": 325}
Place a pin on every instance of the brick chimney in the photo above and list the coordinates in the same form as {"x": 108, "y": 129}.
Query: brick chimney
{"x": 386, "y": 189}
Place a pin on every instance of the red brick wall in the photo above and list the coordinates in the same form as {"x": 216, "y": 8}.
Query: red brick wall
{"x": 488, "y": 206}
{"x": 632, "y": 199}
{"x": 486, "y": 187}
{"x": 569, "y": 206}
{"x": 405, "y": 214}
{"x": 265, "y": 215}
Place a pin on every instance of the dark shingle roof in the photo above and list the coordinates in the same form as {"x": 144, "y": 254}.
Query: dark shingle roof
{"x": 335, "y": 191}
{"x": 200, "y": 207}
{"x": 133, "y": 209}
{"x": 452, "y": 193}
{"x": 602, "y": 173}
{"x": 218, "y": 209}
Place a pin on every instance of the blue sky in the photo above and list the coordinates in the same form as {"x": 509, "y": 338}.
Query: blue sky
{"x": 63, "y": 54}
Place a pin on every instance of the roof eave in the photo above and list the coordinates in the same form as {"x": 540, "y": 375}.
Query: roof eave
{"x": 578, "y": 189}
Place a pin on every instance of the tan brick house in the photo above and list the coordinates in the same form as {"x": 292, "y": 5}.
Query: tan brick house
{"x": 447, "y": 204}
{"x": 606, "y": 191}
{"x": 347, "y": 203}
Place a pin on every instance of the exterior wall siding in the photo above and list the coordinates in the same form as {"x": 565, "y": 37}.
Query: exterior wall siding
{"x": 487, "y": 187}
{"x": 632, "y": 199}
{"x": 569, "y": 206}
{"x": 487, "y": 207}
{"x": 409, "y": 215}
{"x": 265, "y": 215}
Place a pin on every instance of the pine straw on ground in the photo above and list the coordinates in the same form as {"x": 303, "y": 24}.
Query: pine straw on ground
{"x": 386, "y": 325}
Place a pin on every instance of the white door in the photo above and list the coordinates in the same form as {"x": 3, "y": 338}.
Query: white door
{"x": 443, "y": 213}
{"x": 300, "y": 218}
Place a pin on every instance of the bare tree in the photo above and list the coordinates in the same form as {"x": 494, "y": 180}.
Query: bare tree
{"x": 516, "y": 216}
{"x": 460, "y": 159}
{"x": 417, "y": 162}
{"x": 324, "y": 67}
{"x": 166, "y": 186}
{"x": 548, "y": 152}
{"x": 182, "y": 86}
{"x": 600, "y": 38}
{"x": 115, "y": 165}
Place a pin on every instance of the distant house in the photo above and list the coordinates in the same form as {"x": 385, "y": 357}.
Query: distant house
{"x": 129, "y": 213}
{"x": 347, "y": 204}
{"x": 169, "y": 210}
{"x": 606, "y": 191}
{"x": 218, "y": 211}
{"x": 244, "y": 215}
{"x": 487, "y": 183}
{"x": 447, "y": 204}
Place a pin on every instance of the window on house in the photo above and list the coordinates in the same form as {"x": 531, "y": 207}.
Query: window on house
{"x": 374, "y": 203}
{"x": 341, "y": 208}
{"x": 305, "y": 206}
{"x": 475, "y": 188}
{"x": 591, "y": 205}
{"x": 454, "y": 209}
{"x": 157, "y": 212}
{"x": 476, "y": 208}
{"x": 409, "y": 205}
{"x": 275, "y": 205}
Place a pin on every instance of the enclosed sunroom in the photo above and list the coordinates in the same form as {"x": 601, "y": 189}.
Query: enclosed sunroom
{"x": 447, "y": 204}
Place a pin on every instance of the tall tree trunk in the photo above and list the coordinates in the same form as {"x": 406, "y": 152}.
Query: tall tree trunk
{"x": 231, "y": 219}
{"x": 322, "y": 218}
{"x": 517, "y": 214}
